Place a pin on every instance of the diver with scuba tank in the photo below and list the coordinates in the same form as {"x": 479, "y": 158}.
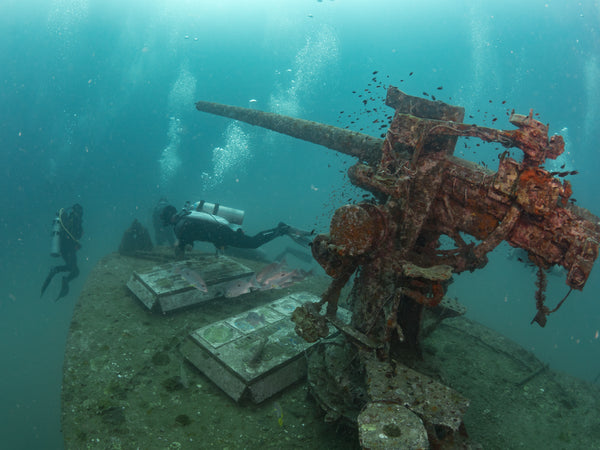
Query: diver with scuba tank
{"x": 67, "y": 230}
{"x": 221, "y": 225}
{"x": 163, "y": 235}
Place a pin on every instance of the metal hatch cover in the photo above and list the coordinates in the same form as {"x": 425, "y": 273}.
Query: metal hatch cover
{"x": 163, "y": 288}
{"x": 256, "y": 353}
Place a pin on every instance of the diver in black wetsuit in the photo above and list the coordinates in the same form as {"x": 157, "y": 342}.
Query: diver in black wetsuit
{"x": 68, "y": 231}
{"x": 193, "y": 224}
{"x": 163, "y": 235}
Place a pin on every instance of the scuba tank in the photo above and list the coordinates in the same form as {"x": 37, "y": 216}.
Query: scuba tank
{"x": 55, "y": 237}
{"x": 234, "y": 216}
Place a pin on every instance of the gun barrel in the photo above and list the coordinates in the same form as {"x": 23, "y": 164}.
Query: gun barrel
{"x": 363, "y": 146}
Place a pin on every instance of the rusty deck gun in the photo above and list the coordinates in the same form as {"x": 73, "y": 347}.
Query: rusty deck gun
{"x": 425, "y": 192}
{"x": 426, "y": 198}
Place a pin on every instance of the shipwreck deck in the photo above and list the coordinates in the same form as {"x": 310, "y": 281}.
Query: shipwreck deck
{"x": 127, "y": 385}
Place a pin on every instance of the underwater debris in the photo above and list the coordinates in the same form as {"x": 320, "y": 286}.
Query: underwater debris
{"x": 435, "y": 404}
{"x": 392, "y": 423}
{"x": 310, "y": 325}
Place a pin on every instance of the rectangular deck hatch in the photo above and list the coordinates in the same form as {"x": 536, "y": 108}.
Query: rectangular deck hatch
{"x": 256, "y": 353}
{"x": 162, "y": 288}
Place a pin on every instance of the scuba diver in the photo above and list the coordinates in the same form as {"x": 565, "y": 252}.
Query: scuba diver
{"x": 163, "y": 235}
{"x": 66, "y": 232}
{"x": 209, "y": 222}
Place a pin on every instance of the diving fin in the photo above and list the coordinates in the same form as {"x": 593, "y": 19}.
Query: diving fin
{"x": 300, "y": 237}
{"x": 64, "y": 290}
{"x": 48, "y": 280}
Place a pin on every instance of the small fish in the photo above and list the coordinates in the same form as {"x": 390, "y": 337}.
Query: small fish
{"x": 270, "y": 271}
{"x": 565, "y": 173}
{"x": 284, "y": 279}
{"x": 278, "y": 411}
{"x": 240, "y": 286}
{"x": 193, "y": 278}
{"x": 274, "y": 276}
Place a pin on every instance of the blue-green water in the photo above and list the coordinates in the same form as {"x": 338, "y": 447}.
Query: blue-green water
{"x": 97, "y": 107}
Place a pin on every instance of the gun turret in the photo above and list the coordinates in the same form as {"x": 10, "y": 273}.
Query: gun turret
{"x": 426, "y": 195}
{"x": 426, "y": 192}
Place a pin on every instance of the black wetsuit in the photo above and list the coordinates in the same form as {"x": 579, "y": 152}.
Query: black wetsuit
{"x": 220, "y": 233}
{"x": 163, "y": 235}
{"x": 71, "y": 231}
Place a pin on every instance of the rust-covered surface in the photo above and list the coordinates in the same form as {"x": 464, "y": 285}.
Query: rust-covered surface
{"x": 426, "y": 195}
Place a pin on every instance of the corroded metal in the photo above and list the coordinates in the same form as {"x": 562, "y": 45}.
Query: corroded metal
{"x": 385, "y": 425}
{"x": 436, "y": 404}
{"x": 358, "y": 229}
{"x": 426, "y": 196}
{"x": 360, "y": 145}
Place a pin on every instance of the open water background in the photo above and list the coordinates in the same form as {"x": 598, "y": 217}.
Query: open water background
{"x": 97, "y": 107}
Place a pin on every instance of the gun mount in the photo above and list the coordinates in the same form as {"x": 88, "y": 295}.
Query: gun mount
{"x": 426, "y": 195}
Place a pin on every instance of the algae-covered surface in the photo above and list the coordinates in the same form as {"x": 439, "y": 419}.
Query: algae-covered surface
{"x": 126, "y": 385}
